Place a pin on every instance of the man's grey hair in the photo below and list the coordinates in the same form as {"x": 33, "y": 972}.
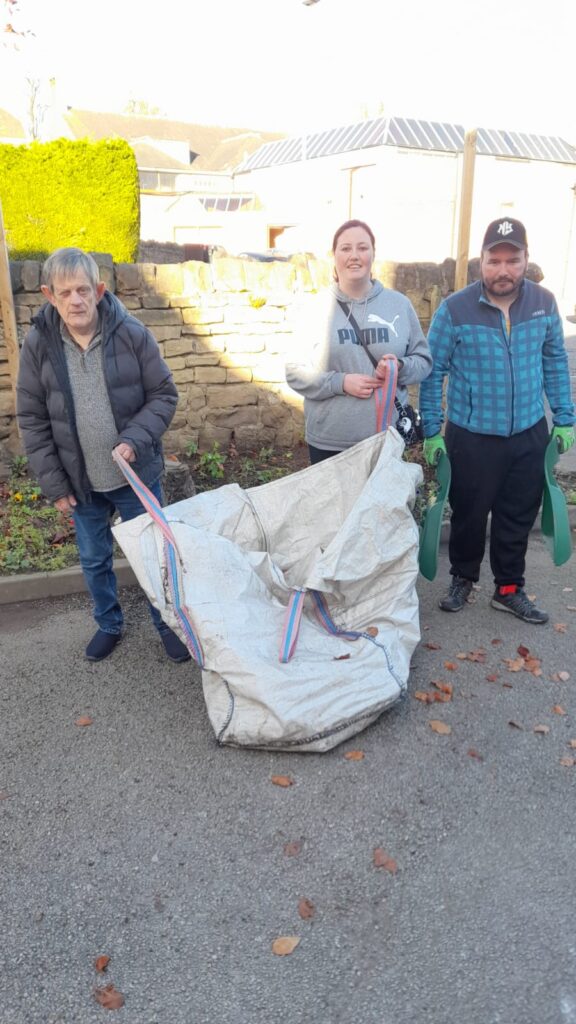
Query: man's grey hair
{"x": 65, "y": 263}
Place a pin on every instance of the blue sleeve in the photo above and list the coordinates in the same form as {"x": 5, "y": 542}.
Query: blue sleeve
{"x": 557, "y": 373}
{"x": 441, "y": 339}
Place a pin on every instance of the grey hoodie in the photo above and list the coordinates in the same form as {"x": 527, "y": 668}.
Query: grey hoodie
{"x": 326, "y": 348}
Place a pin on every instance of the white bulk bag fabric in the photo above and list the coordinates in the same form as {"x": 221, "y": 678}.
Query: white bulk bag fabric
{"x": 342, "y": 529}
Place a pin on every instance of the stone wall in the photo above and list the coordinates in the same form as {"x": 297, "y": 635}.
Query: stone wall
{"x": 224, "y": 329}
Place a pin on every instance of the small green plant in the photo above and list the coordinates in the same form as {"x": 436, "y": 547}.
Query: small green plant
{"x": 571, "y": 497}
{"x": 19, "y": 465}
{"x": 191, "y": 449}
{"x": 211, "y": 463}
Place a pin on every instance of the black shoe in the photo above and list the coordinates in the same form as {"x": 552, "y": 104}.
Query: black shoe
{"x": 457, "y": 595}
{"x": 520, "y": 605}
{"x": 101, "y": 645}
{"x": 175, "y": 649}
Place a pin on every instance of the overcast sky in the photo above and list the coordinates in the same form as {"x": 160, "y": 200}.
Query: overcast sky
{"x": 278, "y": 64}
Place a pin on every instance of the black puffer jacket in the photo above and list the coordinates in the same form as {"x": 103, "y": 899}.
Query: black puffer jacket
{"x": 142, "y": 394}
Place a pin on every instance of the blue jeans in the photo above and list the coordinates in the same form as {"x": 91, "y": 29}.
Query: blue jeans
{"x": 95, "y": 546}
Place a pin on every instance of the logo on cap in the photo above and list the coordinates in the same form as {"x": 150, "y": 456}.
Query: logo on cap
{"x": 505, "y": 228}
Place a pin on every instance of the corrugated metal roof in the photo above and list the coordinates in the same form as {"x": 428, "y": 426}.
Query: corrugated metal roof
{"x": 408, "y": 133}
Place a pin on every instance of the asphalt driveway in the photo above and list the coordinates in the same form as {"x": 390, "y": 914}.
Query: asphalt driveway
{"x": 138, "y": 838}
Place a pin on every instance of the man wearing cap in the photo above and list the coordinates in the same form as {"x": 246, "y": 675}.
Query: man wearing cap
{"x": 500, "y": 343}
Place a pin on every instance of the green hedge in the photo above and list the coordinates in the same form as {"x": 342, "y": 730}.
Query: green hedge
{"x": 70, "y": 193}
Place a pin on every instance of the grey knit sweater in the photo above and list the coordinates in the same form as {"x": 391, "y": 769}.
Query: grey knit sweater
{"x": 95, "y": 426}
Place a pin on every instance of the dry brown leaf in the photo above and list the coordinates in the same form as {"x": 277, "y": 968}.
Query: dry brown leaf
{"x": 285, "y": 944}
{"x": 341, "y": 657}
{"x": 508, "y": 686}
{"x": 354, "y": 755}
{"x": 533, "y": 665}
{"x": 462, "y": 656}
{"x": 425, "y": 697}
{"x": 515, "y": 725}
{"x": 441, "y": 698}
{"x": 443, "y": 687}
{"x": 451, "y": 666}
{"x": 109, "y": 997}
{"x": 283, "y": 780}
{"x": 382, "y": 860}
{"x": 432, "y": 646}
{"x": 572, "y": 743}
{"x": 561, "y": 677}
{"x": 474, "y": 753}
{"x": 306, "y": 909}
{"x": 478, "y": 655}
{"x": 493, "y": 677}
{"x": 523, "y": 651}
{"x": 293, "y": 848}
{"x": 83, "y": 721}
{"x": 558, "y": 710}
{"x": 372, "y": 630}
{"x": 440, "y": 727}
{"x": 514, "y": 664}
{"x": 568, "y": 762}
{"x": 496, "y": 642}
{"x": 544, "y": 729}
{"x": 101, "y": 963}
{"x": 560, "y": 627}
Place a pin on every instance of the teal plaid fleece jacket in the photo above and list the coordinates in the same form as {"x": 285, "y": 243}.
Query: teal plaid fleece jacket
{"x": 497, "y": 381}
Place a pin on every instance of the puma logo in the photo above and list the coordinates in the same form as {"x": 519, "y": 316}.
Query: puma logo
{"x": 374, "y": 319}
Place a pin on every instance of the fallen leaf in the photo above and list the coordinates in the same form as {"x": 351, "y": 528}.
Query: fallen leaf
{"x": 341, "y": 657}
{"x": 293, "y": 848}
{"x": 426, "y": 698}
{"x": 283, "y": 780}
{"x": 306, "y": 909}
{"x": 567, "y": 762}
{"x": 372, "y": 631}
{"x": 523, "y": 651}
{"x": 382, "y": 860}
{"x": 533, "y": 665}
{"x": 571, "y": 607}
{"x": 493, "y": 677}
{"x": 508, "y": 686}
{"x": 462, "y": 656}
{"x": 440, "y": 727}
{"x": 558, "y": 710}
{"x": 496, "y": 642}
{"x": 443, "y": 687}
{"x": 432, "y": 646}
{"x": 450, "y": 665}
{"x": 561, "y": 677}
{"x": 109, "y": 997}
{"x": 474, "y": 753}
{"x": 514, "y": 664}
{"x": 542, "y": 728}
{"x": 567, "y": 590}
{"x": 572, "y": 743}
{"x": 285, "y": 944}
{"x": 101, "y": 963}
{"x": 84, "y": 720}
{"x": 477, "y": 655}
{"x": 531, "y": 597}
{"x": 515, "y": 725}
{"x": 441, "y": 698}
{"x": 354, "y": 755}
{"x": 560, "y": 627}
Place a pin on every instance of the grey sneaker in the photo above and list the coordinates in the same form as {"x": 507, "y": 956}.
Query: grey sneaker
{"x": 520, "y": 605}
{"x": 457, "y": 595}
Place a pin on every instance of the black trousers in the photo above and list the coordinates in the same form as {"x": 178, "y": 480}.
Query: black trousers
{"x": 499, "y": 475}
{"x": 319, "y": 454}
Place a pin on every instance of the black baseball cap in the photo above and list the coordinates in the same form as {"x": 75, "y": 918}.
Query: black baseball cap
{"x": 505, "y": 231}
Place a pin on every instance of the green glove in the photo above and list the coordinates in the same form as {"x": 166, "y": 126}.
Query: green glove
{"x": 433, "y": 448}
{"x": 564, "y": 436}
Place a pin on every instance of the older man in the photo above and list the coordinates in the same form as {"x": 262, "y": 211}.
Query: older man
{"x": 92, "y": 379}
{"x": 500, "y": 343}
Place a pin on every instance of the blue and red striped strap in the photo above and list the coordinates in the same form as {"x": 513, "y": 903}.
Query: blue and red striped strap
{"x": 172, "y": 554}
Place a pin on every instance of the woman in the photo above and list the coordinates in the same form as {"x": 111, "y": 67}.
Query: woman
{"x": 334, "y": 372}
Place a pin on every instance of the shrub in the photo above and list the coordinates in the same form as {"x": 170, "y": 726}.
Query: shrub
{"x": 63, "y": 193}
